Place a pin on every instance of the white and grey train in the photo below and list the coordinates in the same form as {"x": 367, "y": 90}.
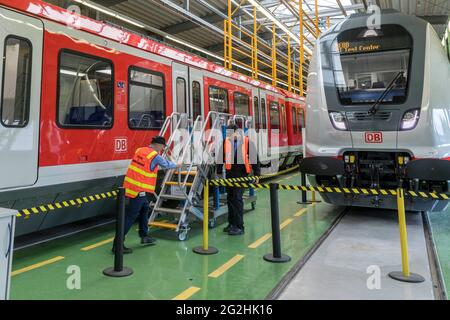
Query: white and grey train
{"x": 378, "y": 111}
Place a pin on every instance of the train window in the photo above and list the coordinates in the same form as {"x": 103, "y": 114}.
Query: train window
{"x": 181, "y": 95}
{"x": 146, "y": 99}
{"x": 241, "y": 107}
{"x": 294, "y": 119}
{"x": 218, "y": 99}
{"x": 274, "y": 116}
{"x": 263, "y": 115}
{"x": 301, "y": 119}
{"x": 85, "y": 91}
{"x": 241, "y": 104}
{"x": 15, "y": 105}
{"x": 283, "y": 119}
{"x": 256, "y": 121}
{"x": 196, "y": 99}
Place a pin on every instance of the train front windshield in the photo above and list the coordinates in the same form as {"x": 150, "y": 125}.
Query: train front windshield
{"x": 368, "y": 64}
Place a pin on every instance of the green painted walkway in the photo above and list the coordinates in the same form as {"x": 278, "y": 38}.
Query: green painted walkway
{"x": 170, "y": 269}
{"x": 440, "y": 225}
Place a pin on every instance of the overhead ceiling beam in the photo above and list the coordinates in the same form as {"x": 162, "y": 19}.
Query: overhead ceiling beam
{"x": 189, "y": 25}
{"x": 344, "y": 12}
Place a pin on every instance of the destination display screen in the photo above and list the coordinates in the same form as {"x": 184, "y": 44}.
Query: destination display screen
{"x": 360, "y": 40}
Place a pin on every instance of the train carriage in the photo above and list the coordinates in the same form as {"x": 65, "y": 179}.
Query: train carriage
{"x": 378, "y": 111}
{"x": 79, "y": 96}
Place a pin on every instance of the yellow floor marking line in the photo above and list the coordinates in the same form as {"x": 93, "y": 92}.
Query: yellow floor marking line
{"x": 98, "y": 244}
{"x": 300, "y": 212}
{"x": 227, "y": 265}
{"x": 267, "y": 236}
{"x": 261, "y": 240}
{"x": 186, "y": 294}
{"x": 285, "y": 223}
{"x": 37, "y": 265}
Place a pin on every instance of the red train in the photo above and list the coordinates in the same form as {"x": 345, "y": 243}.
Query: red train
{"x": 79, "y": 96}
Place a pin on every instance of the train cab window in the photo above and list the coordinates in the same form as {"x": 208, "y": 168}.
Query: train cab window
{"x": 146, "y": 99}
{"x": 85, "y": 91}
{"x": 15, "y": 105}
{"x": 369, "y": 67}
{"x": 218, "y": 99}
{"x": 181, "y": 95}
{"x": 256, "y": 120}
{"x": 274, "y": 116}
{"x": 196, "y": 99}
{"x": 263, "y": 115}
{"x": 294, "y": 120}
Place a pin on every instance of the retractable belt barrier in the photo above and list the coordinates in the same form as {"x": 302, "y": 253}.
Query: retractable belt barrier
{"x": 46, "y": 208}
{"x": 252, "y": 178}
{"x": 349, "y": 191}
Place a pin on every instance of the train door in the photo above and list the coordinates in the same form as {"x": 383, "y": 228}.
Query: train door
{"x": 180, "y": 82}
{"x": 21, "y": 40}
{"x": 263, "y": 132}
{"x": 196, "y": 93}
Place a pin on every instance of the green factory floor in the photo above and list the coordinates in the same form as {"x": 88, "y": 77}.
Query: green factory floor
{"x": 440, "y": 226}
{"x": 170, "y": 269}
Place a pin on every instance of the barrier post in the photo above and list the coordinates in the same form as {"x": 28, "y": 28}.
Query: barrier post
{"x": 276, "y": 255}
{"x": 205, "y": 249}
{"x": 304, "y": 199}
{"x": 313, "y": 197}
{"x": 405, "y": 275}
{"x": 119, "y": 270}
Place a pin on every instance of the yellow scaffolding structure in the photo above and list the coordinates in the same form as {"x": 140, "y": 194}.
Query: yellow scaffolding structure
{"x": 243, "y": 49}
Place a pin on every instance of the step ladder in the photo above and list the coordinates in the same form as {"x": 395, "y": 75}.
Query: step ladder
{"x": 185, "y": 184}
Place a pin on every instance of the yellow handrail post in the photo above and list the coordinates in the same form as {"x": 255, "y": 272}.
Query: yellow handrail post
{"x": 405, "y": 275}
{"x": 289, "y": 65}
{"x": 255, "y": 45}
{"x": 230, "y": 38}
{"x": 302, "y": 53}
{"x": 225, "y": 41}
{"x": 328, "y": 23}
{"x": 205, "y": 249}
{"x": 317, "y": 18}
{"x": 274, "y": 57}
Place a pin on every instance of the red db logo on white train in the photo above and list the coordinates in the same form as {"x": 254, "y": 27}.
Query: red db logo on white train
{"x": 121, "y": 144}
{"x": 374, "y": 137}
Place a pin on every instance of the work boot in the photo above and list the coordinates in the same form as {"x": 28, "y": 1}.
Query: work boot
{"x": 125, "y": 250}
{"x": 147, "y": 240}
{"x": 235, "y": 231}
{"x": 227, "y": 228}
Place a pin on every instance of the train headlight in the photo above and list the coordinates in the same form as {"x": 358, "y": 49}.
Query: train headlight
{"x": 410, "y": 119}
{"x": 338, "y": 121}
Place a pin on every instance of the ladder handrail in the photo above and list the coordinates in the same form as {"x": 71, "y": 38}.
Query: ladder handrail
{"x": 189, "y": 141}
{"x": 171, "y": 137}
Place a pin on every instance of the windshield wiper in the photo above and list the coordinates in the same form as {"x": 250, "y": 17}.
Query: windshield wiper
{"x": 376, "y": 105}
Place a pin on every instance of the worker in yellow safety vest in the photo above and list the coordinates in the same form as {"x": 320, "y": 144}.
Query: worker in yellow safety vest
{"x": 238, "y": 163}
{"x": 140, "y": 182}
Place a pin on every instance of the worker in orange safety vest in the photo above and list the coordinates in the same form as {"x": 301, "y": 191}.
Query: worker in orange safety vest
{"x": 237, "y": 150}
{"x": 140, "y": 182}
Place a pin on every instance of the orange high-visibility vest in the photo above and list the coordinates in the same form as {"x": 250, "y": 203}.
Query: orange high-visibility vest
{"x": 229, "y": 154}
{"x": 139, "y": 178}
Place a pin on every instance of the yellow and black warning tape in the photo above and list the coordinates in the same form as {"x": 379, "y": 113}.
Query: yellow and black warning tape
{"x": 349, "y": 191}
{"x": 47, "y": 208}
{"x": 252, "y": 178}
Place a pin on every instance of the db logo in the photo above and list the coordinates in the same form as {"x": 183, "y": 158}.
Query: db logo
{"x": 374, "y": 137}
{"x": 120, "y": 144}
